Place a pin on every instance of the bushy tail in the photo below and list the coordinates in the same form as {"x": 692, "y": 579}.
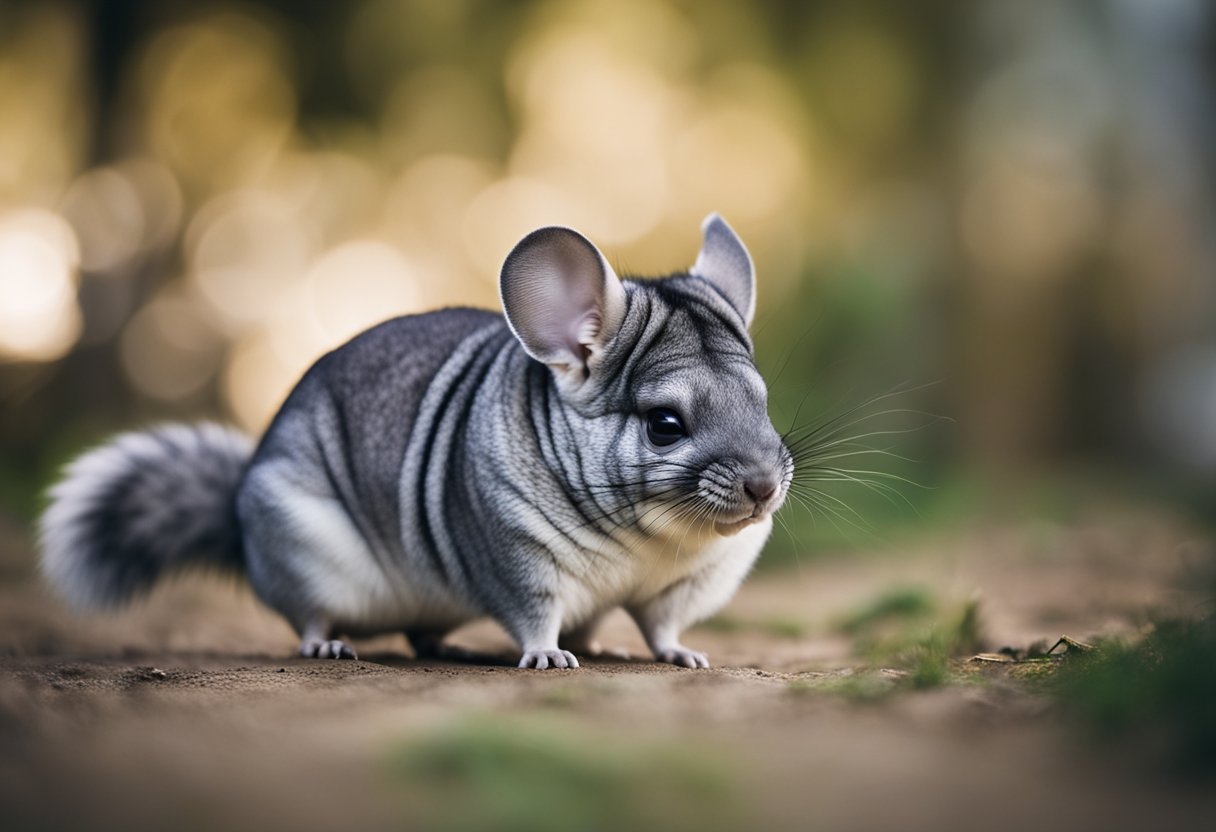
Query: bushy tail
{"x": 141, "y": 505}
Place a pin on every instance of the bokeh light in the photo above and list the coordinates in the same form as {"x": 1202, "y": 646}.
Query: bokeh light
{"x": 169, "y": 349}
{"x": 39, "y": 317}
{"x": 245, "y": 249}
{"x": 218, "y": 101}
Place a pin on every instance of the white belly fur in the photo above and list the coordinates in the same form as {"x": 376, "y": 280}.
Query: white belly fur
{"x": 654, "y": 564}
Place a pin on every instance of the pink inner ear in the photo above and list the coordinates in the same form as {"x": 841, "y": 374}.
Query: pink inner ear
{"x": 560, "y": 296}
{"x": 584, "y": 331}
{"x": 587, "y": 328}
{"x": 567, "y": 317}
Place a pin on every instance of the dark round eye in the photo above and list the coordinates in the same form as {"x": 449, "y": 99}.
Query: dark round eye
{"x": 664, "y": 427}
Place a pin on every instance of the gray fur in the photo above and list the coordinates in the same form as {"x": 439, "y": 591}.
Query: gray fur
{"x": 447, "y": 466}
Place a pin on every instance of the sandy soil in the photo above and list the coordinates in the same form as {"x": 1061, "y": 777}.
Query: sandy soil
{"x": 187, "y": 712}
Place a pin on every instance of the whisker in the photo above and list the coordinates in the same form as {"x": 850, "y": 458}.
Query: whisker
{"x": 803, "y": 488}
{"x": 834, "y": 426}
{"x": 814, "y": 509}
{"x": 882, "y": 489}
{"x": 873, "y": 400}
{"x": 884, "y": 474}
{"x": 794, "y": 544}
{"x": 814, "y": 437}
{"x": 863, "y": 450}
{"x": 834, "y": 442}
{"x": 820, "y": 500}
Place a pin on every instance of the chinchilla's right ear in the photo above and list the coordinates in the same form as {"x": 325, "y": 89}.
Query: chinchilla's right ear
{"x": 725, "y": 263}
{"x": 562, "y": 300}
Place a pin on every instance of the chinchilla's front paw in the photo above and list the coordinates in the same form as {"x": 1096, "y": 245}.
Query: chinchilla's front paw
{"x": 678, "y": 654}
{"x": 542, "y": 659}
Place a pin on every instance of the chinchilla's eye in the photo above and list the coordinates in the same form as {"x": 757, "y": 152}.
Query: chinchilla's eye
{"x": 664, "y": 427}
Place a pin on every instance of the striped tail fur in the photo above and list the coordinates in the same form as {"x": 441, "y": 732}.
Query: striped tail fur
{"x": 144, "y": 504}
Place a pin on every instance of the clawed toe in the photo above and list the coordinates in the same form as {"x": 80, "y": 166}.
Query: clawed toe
{"x": 326, "y": 649}
{"x": 683, "y": 656}
{"x": 544, "y": 659}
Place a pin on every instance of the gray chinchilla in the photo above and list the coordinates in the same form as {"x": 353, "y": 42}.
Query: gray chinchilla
{"x": 605, "y": 444}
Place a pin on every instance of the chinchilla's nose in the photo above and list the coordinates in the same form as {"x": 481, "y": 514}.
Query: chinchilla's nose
{"x": 760, "y": 487}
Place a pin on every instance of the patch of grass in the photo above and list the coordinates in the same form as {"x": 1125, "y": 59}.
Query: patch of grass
{"x": 1162, "y": 689}
{"x": 1034, "y": 669}
{"x": 929, "y": 664}
{"x": 902, "y": 602}
{"x": 903, "y": 628}
{"x": 910, "y": 643}
{"x": 536, "y": 775}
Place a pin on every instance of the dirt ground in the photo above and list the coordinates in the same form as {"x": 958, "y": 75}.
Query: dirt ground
{"x": 188, "y": 712}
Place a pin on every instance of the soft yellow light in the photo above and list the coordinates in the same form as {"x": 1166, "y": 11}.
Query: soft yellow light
{"x": 220, "y": 105}
{"x": 334, "y": 195}
{"x": 357, "y": 285}
{"x": 507, "y": 210}
{"x": 161, "y": 198}
{"x": 445, "y": 109}
{"x": 424, "y": 213}
{"x": 597, "y": 121}
{"x": 109, "y": 219}
{"x": 738, "y": 159}
{"x": 39, "y": 317}
{"x": 169, "y": 351}
{"x": 245, "y": 249}
{"x": 46, "y": 119}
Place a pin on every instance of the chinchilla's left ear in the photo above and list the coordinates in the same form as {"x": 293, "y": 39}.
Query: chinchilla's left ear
{"x": 562, "y": 300}
{"x": 725, "y": 263}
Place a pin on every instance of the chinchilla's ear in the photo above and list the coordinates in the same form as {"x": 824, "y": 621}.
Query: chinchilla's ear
{"x": 562, "y": 300}
{"x": 725, "y": 263}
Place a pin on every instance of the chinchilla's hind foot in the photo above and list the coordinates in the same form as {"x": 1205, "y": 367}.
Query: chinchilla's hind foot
{"x": 317, "y": 642}
{"x": 319, "y": 648}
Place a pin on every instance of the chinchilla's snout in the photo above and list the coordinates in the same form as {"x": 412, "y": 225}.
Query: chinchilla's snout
{"x": 763, "y": 480}
{"x": 749, "y": 485}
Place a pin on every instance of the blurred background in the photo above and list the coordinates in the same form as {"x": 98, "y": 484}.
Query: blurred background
{"x": 1005, "y": 207}
{"x": 987, "y": 262}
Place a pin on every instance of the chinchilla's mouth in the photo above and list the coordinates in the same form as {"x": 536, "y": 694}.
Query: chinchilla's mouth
{"x": 726, "y": 527}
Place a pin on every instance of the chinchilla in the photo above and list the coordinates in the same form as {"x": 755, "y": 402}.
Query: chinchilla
{"x": 606, "y": 444}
